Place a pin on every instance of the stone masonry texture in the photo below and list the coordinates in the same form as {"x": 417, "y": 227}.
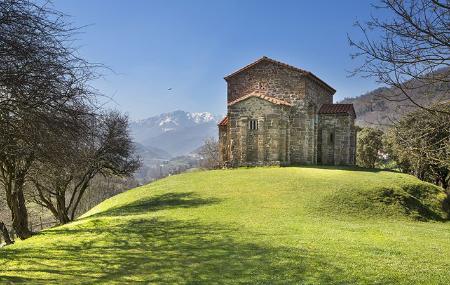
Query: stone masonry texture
{"x": 287, "y": 131}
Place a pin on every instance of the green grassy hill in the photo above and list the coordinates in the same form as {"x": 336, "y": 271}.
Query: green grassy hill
{"x": 260, "y": 225}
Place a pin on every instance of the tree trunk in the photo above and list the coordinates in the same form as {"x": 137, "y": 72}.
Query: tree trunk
{"x": 445, "y": 184}
{"x": 13, "y": 181}
{"x": 63, "y": 216}
{"x": 5, "y": 234}
{"x": 19, "y": 214}
{"x": 59, "y": 209}
{"x": 82, "y": 189}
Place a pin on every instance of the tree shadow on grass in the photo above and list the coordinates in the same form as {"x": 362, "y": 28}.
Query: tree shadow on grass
{"x": 158, "y": 203}
{"x": 132, "y": 249}
{"x": 167, "y": 252}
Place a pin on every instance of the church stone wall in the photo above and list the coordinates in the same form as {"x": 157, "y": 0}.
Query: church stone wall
{"x": 224, "y": 151}
{"x": 303, "y": 124}
{"x": 317, "y": 93}
{"x": 336, "y": 140}
{"x": 267, "y": 143}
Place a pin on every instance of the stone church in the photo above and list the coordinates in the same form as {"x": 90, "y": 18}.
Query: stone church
{"x": 279, "y": 114}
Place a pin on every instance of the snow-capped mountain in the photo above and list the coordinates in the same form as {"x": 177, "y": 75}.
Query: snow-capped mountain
{"x": 177, "y": 132}
{"x": 202, "y": 117}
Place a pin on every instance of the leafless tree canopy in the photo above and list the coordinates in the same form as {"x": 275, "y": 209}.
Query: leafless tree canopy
{"x": 407, "y": 48}
{"x": 48, "y": 109}
{"x": 62, "y": 177}
{"x": 39, "y": 68}
{"x": 210, "y": 154}
{"x": 411, "y": 42}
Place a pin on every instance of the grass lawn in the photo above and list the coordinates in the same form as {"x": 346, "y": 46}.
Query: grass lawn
{"x": 261, "y": 226}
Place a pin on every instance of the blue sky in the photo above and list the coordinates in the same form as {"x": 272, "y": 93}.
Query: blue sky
{"x": 190, "y": 46}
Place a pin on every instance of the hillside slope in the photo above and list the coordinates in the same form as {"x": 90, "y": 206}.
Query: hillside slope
{"x": 262, "y": 225}
{"x": 372, "y": 109}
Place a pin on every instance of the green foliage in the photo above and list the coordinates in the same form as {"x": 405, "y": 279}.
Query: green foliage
{"x": 368, "y": 146}
{"x": 420, "y": 144}
{"x": 255, "y": 225}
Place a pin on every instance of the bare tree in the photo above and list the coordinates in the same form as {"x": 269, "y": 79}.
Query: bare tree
{"x": 210, "y": 154}
{"x": 43, "y": 86}
{"x": 62, "y": 178}
{"x": 411, "y": 48}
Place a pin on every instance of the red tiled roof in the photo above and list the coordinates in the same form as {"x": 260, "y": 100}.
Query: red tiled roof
{"x": 224, "y": 122}
{"x": 337, "y": 109}
{"x": 273, "y": 100}
{"x": 265, "y": 58}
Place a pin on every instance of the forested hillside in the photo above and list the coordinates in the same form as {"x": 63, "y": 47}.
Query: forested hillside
{"x": 375, "y": 109}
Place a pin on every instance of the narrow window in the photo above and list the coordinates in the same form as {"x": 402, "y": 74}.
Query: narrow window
{"x": 253, "y": 124}
{"x": 331, "y": 138}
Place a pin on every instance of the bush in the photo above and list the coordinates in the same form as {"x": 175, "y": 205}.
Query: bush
{"x": 369, "y": 146}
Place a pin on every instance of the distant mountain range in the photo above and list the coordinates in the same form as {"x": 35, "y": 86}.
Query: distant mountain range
{"x": 167, "y": 143}
{"x": 173, "y": 134}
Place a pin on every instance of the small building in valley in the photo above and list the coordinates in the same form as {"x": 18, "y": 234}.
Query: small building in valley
{"x": 279, "y": 114}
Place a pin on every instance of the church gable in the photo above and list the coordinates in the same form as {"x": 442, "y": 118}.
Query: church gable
{"x": 260, "y": 62}
{"x": 269, "y": 79}
{"x": 277, "y": 80}
{"x": 255, "y": 107}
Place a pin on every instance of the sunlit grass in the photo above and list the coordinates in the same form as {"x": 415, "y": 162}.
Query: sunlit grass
{"x": 262, "y": 225}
